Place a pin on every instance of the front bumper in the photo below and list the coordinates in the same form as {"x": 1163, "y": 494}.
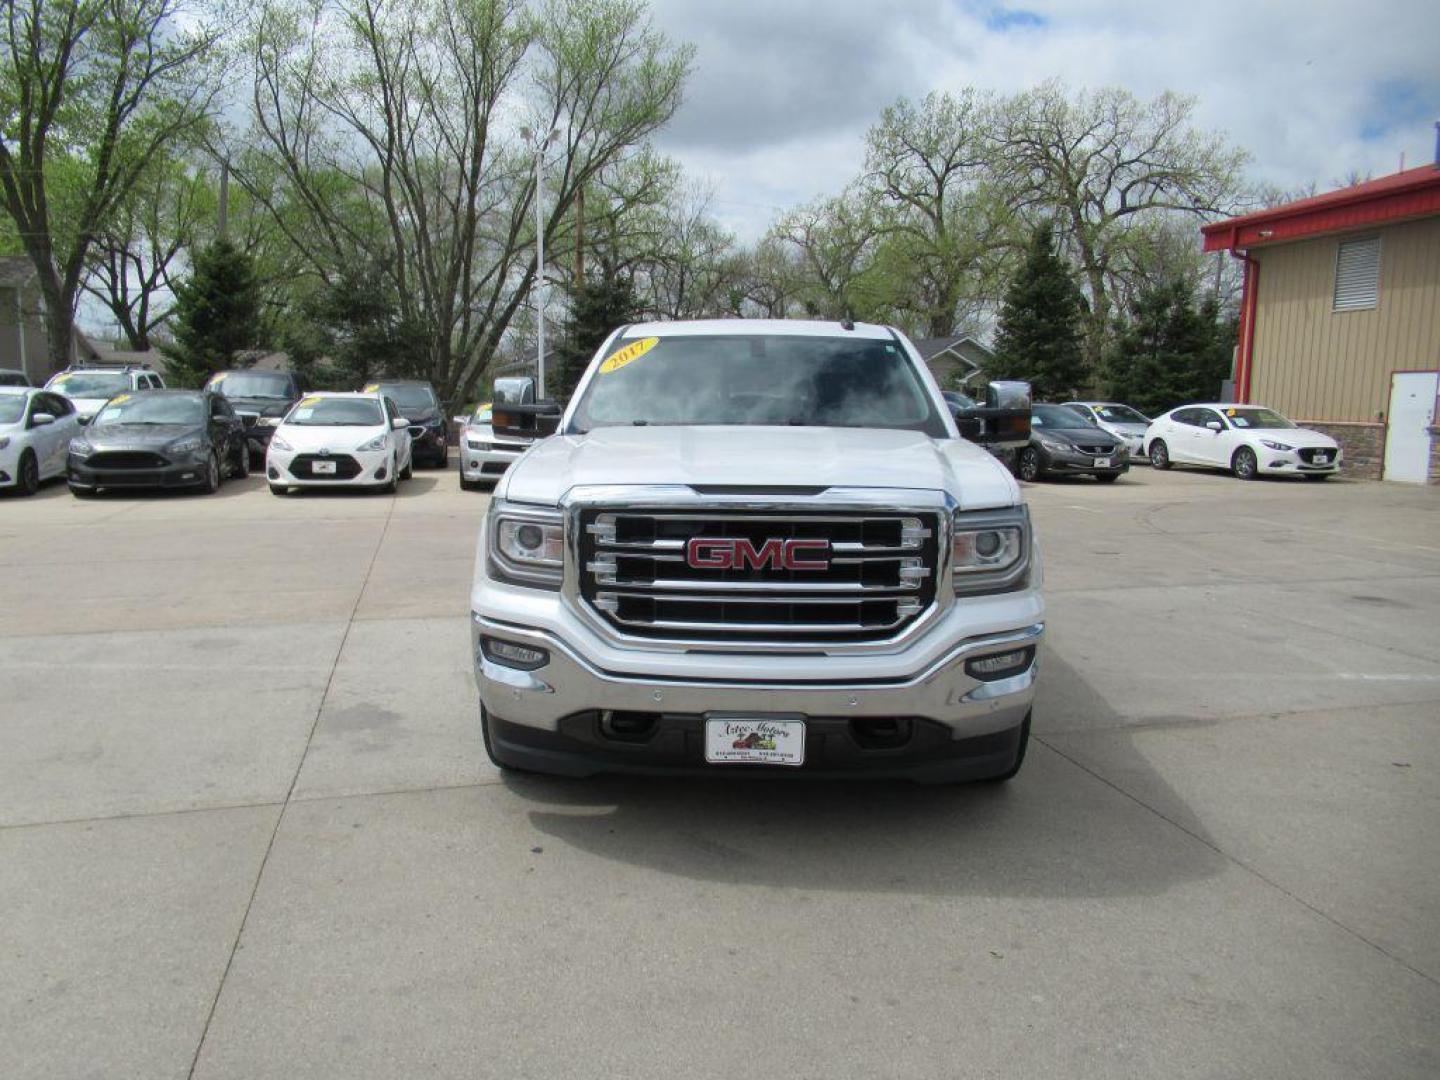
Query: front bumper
{"x": 1076, "y": 461}
{"x": 957, "y": 726}
{"x": 489, "y": 464}
{"x": 1283, "y": 462}
{"x": 374, "y": 469}
{"x": 430, "y": 445}
{"x": 183, "y": 474}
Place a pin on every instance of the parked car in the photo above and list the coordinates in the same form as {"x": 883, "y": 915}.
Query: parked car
{"x": 89, "y": 388}
{"x": 1119, "y": 420}
{"x": 159, "y": 439}
{"x": 1065, "y": 441}
{"x": 339, "y": 440}
{"x": 739, "y": 520}
{"x": 260, "y": 399}
{"x": 416, "y": 401}
{"x": 1248, "y": 440}
{"x": 11, "y": 377}
{"x": 484, "y": 456}
{"x": 35, "y": 428}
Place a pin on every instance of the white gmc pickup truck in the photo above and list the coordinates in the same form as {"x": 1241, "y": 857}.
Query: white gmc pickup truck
{"x": 759, "y": 547}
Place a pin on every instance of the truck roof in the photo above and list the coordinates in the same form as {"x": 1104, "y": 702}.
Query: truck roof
{"x": 749, "y": 327}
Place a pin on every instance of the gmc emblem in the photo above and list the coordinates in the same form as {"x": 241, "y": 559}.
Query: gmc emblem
{"x": 706, "y": 553}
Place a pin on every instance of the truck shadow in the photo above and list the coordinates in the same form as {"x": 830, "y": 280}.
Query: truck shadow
{"x": 1058, "y": 829}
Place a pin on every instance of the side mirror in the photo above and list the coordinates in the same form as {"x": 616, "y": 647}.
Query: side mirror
{"x": 40, "y": 419}
{"x": 1215, "y": 425}
{"x": 85, "y": 420}
{"x": 399, "y": 423}
{"x": 516, "y": 390}
{"x": 1004, "y": 419}
{"x": 537, "y": 421}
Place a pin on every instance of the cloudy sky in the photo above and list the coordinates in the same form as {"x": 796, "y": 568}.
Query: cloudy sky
{"x": 783, "y": 90}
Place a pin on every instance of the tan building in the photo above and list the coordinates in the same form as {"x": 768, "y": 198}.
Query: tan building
{"x": 1340, "y": 318}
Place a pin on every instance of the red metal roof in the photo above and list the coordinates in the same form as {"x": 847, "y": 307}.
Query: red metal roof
{"x": 1412, "y": 193}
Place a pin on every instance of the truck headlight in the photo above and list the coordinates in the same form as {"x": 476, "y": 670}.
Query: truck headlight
{"x": 990, "y": 550}
{"x": 526, "y": 545}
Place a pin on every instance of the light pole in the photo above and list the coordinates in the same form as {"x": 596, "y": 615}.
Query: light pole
{"x": 540, "y": 144}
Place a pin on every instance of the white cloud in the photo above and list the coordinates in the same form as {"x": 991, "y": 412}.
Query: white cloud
{"x": 783, "y": 92}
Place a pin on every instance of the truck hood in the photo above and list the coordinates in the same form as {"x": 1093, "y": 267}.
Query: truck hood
{"x": 759, "y": 457}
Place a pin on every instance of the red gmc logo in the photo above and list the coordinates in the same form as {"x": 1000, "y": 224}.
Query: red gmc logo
{"x": 705, "y": 553}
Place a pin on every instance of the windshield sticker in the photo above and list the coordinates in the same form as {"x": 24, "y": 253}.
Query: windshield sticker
{"x": 310, "y": 402}
{"x": 119, "y": 398}
{"x": 1229, "y": 412}
{"x": 304, "y": 412}
{"x": 628, "y": 355}
{"x": 371, "y": 388}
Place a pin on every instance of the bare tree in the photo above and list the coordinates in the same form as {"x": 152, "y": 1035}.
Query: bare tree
{"x": 91, "y": 91}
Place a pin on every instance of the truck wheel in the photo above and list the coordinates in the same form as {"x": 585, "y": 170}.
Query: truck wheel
{"x": 1008, "y": 774}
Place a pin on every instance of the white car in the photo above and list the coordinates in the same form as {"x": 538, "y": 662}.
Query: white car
{"x": 484, "y": 457}
{"x": 339, "y": 440}
{"x": 1119, "y": 420}
{"x": 89, "y": 388}
{"x": 36, "y": 427}
{"x": 1248, "y": 440}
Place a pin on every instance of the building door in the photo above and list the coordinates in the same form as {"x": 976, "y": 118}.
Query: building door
{"x": 1412, "y": 413}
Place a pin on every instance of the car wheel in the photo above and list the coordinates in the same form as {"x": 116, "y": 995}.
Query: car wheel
{"x": 390, "y": 486}
{"x": 279, "y": 489}
{"x": 1159, "y": 455}
{"x": 409, "y": 470}
{"x": 1318, "y": 476}
{"x": 27, "y": 482}
{"x": 211, "y": 483}
{"x": 1244, "y": 465}
{"x": 1028, "y": 465}
{"x": 1107, "y": 478}
{"x": 1009, "y": 774}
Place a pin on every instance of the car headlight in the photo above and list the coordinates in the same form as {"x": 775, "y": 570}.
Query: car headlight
{"x": 990, "y": 550}
{"x": 267, "y": 421}
{"x": 190, "y": 445}
{"x": 476, "y": 444}
{"x": 1053, "y": 444}
{"x": 280, "y": 444}
{"x": 1276, "y": 445}
{"x": 379, "y": 442}
{"x": 526, "y": 546}
{"x": 79, "y": 448}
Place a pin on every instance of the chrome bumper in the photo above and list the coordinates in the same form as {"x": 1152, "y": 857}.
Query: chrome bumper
{"x": 942, "y": 691}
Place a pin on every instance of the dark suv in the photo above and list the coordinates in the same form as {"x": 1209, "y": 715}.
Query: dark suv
{"x": 416, "y": 401}
{"x": 260, "y": 399}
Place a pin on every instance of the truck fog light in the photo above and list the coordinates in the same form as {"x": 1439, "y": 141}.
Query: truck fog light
{"x": 1000, "y": 665}
{"x": 509, "y": 654}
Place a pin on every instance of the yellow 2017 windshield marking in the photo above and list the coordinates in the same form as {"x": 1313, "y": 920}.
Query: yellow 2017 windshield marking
{"x": 632, "y": 352}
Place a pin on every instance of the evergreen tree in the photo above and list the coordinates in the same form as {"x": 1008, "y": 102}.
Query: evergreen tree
{"x": 1170, "y": 352}
{"x": 217, "y": 314}
{"x": 1041, "y": 338}
{"x": 597, "y": 308}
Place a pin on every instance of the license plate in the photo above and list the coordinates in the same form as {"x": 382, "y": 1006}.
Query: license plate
{"x": 1102, "y": 462}
{"x": 1322, "y": 459}
{"x": 319, "y": 467}
{"x": 754, "y": 739}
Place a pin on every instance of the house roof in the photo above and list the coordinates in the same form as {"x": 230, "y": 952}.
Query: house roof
{"x": 930, "y": 348}
{"x": 1400, "y": 196}
{"x": 15, "y": 270}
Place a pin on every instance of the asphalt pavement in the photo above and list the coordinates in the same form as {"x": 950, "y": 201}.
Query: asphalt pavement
{"x": 247, "y": 829}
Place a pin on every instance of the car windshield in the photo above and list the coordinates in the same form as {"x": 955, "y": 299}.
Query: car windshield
{"x": 336, "y": 412}
{"x": 90, "y": 384}
{"x": 1256, "y": 418}
{"x": 1120, "y": 414}
{"x": 252, "y": 384}
{"x": 12, "y": 408}
{"x": 1059, "y": 416}
{"x": 406, "y": 395}
{"x": 481, "y": 415}
{"x": 755, "y": 379}
{"x": 152, "y": 408}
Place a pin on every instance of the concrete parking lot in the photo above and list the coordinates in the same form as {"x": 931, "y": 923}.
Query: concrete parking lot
{"x": 249, "y": 832}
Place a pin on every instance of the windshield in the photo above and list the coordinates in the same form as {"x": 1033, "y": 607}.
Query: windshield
{"x": 152, "y": 408}
{"x": 1059, "y": 416}
{"x": 481, "y": 415}
{"x": 90, "y": 384}
{"x": 754, "y": 379}
{"x": 336, "y": 412}
{"x": 1257, "y": 418}
{"x": 12, "y": 408}
{"x": 406, "y": 395}
{"x": 252, "y": 384}
{"x": 1121, "y": 414}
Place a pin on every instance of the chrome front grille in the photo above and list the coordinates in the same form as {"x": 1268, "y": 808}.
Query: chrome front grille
{"x": 876, "y": 573}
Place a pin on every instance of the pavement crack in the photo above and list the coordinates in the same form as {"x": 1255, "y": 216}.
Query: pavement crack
{"x": 289, "y": 793}
{"x": 1241, "y": 864}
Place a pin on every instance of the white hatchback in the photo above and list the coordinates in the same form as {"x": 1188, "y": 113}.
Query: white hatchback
{"x": 339, "y": 440}
{"x": 36, "y": 427}
{"x": 1248, "y": 440}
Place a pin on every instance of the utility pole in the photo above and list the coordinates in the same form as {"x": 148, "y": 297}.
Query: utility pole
{"x": 225, "y": 199}
{"x": 541, "y": 142}
{"x": 580, "y": 237}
